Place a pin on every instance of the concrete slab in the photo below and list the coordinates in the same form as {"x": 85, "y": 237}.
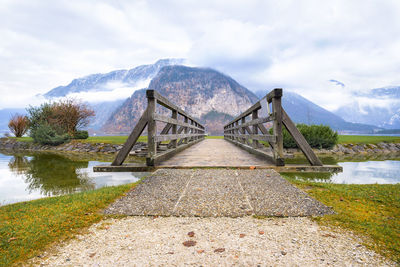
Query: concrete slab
{"x": 217, "y": 193}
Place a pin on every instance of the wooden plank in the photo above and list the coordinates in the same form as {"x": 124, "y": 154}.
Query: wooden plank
{"x": 255, "y": 122}
{"x": 165, "y": 131}
{"x": 166, "y": 103}
{"x": 152, "y": 131}
{"x": 174, "y": 128}
{"x": 277, "y": 108}
{"x": 265, "y": 131}
{"x": 168, "y": 137}
{"x": 256, "y": 106}
{"x": 259, "y": 137}
{"x": 132, "y": 167}
{"x": 300, "y": 140}
{"x": 159, "y": 117}
{"x": 276, "y": 93}
{"x": 130, "y": 142}
{"x": 185, "y": 129}
{"x": 254, "y": 116}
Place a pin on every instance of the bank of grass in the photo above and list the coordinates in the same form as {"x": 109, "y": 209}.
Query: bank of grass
{"x": 343, "y": 139}
{"x": 371, "y": 210}
{"x": 364, "y": 139}
{"x": 27, "y": 228}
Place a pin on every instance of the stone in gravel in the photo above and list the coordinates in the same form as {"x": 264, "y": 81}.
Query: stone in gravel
{"x": 189, "y": 243}
{"x": 200, "y": 251}
{"x": 283, "y": 253}
{"x": 191, "y": 234}
{"x": 219, "y": 250}
{"x": 242, "y": 235}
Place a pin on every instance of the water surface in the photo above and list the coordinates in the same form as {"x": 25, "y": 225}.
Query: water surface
{"x": 31, "y": 176}
{"x": 367, "y": 172}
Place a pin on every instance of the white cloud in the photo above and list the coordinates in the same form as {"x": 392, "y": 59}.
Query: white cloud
{"x": 299, "y": 46}
{"x": 112, "y": 91}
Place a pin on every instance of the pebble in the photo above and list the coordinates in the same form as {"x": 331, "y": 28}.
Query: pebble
{"x": 153, "y": 244}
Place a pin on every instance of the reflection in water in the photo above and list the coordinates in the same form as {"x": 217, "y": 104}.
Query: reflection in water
{"x": 368, "y": 172}
{"x": 56, "y": 175}
{"x": 35, "y": 175}
{"x": 320, "y": 177}
{"x": 18, "y": 164}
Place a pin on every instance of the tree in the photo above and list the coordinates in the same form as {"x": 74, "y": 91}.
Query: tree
{"x": 54, "y": 123}
{"x": 70, "y": 115}
{"x": 18, "y": 125}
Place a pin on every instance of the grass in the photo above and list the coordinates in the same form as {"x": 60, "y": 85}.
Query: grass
{"x": 214, "y": 137}
{"x": 343, "y": 139}
{"x": 27, "y": 228}
{"x": 372, "y": 210}
{"x": 363, "y": 139}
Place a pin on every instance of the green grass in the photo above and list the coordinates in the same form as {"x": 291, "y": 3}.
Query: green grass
{"x": 110, "y": 139}
{"x": 23, "y": 139}
{"x": 343, "y": 139}
{"x": 214, "y": 137}
{"x": 361, "y": 139}
{"x": 27, "y": 228}
{"x": 370, "y": 210}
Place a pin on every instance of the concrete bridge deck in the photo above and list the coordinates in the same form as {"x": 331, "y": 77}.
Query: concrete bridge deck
{"x": 215, "y": 153}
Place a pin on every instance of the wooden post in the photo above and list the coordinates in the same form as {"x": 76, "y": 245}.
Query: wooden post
{"x": 152, "y": 129}
{"x": 254, "y": 115}
{"x": 174, "y": 116}
{"x": 243, "y": 131}
{"x": 277, "y": 109}
{"x": 300, "y": 140}
{"x": 130, "y": 142}
{"x": 186, "y": 129}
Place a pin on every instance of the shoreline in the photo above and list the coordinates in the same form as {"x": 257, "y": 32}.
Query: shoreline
{"x": 12, "y": 145}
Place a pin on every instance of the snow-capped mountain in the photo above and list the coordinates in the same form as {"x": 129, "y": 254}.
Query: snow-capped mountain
{"x": 140, "y": 75}
{"x": 105, "y": 92}
{"x": 380, "y": 107}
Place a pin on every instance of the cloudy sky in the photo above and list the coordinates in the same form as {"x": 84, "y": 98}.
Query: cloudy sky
{"x": 296, "y": 45}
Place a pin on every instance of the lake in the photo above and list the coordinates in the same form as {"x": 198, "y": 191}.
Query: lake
{"x": 36, "y": 175}
{"x": 364, "y": 172}
{"x": 27, "y": 176}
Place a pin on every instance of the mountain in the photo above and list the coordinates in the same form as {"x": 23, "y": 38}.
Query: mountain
{"x": 106, "y": 81}
{"x": 125, "y": 81}
{"x": 204, "y": 93}
{"x": 380, "y": 107}
{"x": 216, "y": 99}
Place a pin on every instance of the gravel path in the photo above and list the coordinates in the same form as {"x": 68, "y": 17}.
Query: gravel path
{"x": 217, "y": 193}
{"x": 244, "y": 241}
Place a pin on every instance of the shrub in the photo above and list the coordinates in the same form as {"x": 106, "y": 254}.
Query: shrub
{"x": 317, "y": 136}
{"x": 81, "y": 135}
{"x": 58, "y": 121}
{"x": 18, "y": 125}
{"x": 44, "y": 134}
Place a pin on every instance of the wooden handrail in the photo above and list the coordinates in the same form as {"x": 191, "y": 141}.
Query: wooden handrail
{"x": 239, "y": 132}
{"x": 193, "y": 130}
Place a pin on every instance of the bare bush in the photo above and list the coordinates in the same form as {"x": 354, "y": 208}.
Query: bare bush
{"x": 18, "y": 125}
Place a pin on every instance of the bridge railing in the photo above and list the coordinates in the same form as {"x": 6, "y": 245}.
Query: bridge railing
{"x": 180, "y": 131}
{"x": 248, "y": 129}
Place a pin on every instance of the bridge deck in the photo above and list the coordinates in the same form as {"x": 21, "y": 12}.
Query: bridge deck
{"x": 215, "y": 153}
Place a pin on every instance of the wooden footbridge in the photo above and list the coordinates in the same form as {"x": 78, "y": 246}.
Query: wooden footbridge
{"x": 177, "y": 140}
